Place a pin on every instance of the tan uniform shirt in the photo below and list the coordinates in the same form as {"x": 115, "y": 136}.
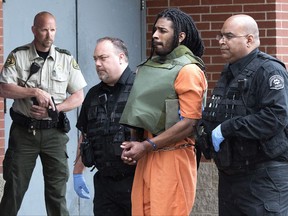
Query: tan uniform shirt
{"x": 58, "y": 75}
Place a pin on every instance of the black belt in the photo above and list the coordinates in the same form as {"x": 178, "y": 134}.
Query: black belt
{"x": 266, "y": 164}
{"x": 32, "y": 123}
{"x": 252, "y": 167}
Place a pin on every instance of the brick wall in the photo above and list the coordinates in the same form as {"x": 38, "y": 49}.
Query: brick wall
{"x": 272, "y": 19}
{"x": 209, "y": 17}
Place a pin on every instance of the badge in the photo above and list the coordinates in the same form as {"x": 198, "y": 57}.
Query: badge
{"x": 276, "y": 82}
{"x": 10, "y": 61}
{"x": 75, "y": 65}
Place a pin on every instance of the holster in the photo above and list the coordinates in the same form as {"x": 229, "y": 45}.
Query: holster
{"x": 203, "y": 141}
{"x": 202, "y": 144}
{"x": 223, "y": 158}
{"x": 87, "y": 153}
{"x": 63, "y": 122}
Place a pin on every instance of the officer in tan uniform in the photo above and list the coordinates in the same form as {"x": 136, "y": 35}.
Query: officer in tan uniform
{"x": 38, "y": 77}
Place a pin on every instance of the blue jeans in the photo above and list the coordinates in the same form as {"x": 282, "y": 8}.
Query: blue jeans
{"x": 263, "y": 191}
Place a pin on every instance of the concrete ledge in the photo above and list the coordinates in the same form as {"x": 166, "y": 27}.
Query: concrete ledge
{"x": 206, "y": 203}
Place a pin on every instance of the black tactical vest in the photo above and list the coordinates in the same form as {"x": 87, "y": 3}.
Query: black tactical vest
{"x": 103, "y": 128}
{"x": 230, "y": 100}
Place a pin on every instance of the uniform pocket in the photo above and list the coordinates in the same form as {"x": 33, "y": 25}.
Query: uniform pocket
{"x": 59, "y": 83}
{"x": 272, "y": 208}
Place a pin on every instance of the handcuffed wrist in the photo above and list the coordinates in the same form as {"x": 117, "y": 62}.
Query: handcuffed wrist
{"x": 154, "y": 146}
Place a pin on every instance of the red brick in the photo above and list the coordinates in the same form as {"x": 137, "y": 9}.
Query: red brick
{"x": 247, "y": 2}
{"x": 259, "y": 7}
{"x": 225, "y": 8}
{"x": 216, "y": 17}
{"x": 271, "y": 50}
{"x": 155, "y": 11}
{"x": 179, "y": 3}
{"x": 281, "y": 49}
{"x": 219, "y": 2}
{"x": 196, "y": 10}
{"x": 158, "y": 3}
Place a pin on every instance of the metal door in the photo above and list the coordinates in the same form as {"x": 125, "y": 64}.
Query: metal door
{"x": 79, "y": 25}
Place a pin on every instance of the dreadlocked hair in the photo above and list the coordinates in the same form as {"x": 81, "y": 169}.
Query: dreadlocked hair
{"x": 182, "y": 22}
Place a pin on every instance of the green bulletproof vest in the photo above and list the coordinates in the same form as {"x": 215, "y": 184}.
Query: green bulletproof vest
{"x": 153, "y": 86}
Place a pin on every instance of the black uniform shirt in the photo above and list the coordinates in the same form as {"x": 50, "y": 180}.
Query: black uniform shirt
{"x": 267, "y": 99}
{"x": 82, "y": 119}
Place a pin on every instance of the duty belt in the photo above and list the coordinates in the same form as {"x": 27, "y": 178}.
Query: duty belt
{"x": 32, "y": 123}
{"x": 252, "y": 167}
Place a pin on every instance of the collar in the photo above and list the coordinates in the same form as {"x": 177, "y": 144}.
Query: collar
{"x": 33, "y": 53}
{"x": 125, "y": 75}
{"x": 122, "y": 80}
{"x": 178, "y": 52}
{"x": 238, "y": 66}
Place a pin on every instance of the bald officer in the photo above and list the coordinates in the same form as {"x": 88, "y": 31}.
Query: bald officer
{"x": 38, "y": 77}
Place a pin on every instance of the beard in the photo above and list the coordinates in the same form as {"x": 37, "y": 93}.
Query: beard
{"x": 162, "y": 50}
{"x": 103, "y": 76}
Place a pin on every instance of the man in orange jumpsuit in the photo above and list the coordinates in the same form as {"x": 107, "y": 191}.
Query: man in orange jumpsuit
{"x": 166, "y": 172}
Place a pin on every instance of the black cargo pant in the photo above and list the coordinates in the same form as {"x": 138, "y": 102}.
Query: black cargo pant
{"x": 112, "y": 196}
{"x": 257, "y": 192}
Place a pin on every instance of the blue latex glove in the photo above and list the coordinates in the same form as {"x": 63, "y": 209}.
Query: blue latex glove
{"x": 180, "y": 117}
{"x": 217, "y": 138}
{"x": 80, "y": 186}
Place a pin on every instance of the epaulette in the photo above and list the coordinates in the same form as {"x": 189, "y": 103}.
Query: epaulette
{"x": 20, "y": 48}
{"x": 266, "y": 56}
{"x": 62, "y": 51}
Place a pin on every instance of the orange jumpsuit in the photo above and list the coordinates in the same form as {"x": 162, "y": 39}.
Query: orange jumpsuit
{"x": 165, "y": 181}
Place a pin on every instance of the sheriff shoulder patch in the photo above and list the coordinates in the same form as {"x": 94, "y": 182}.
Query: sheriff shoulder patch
{"x": 276, "y": 82}
{"x": 10, "y": 61}
{"x": 75, "y": 64}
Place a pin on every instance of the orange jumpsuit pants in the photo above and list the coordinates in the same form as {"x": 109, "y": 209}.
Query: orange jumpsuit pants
{"x": 165, "y": 183}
